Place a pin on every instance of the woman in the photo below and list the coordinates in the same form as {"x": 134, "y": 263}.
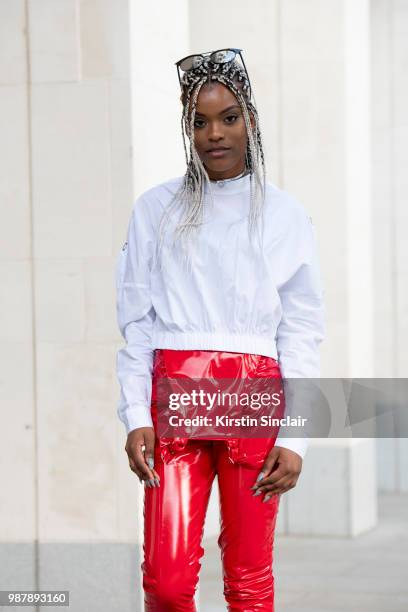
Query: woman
{"x": 218, "y": 278}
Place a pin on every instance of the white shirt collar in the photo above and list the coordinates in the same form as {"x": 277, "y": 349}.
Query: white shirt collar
{"x": 235, "y": 185}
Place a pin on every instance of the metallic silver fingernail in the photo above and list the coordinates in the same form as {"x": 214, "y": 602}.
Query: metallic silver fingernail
{"x": 147, "y": 483}
{"x": 258, "y": 492}
{"x": 267, "y": 497}
{"x": 260, "y": 476}
{"x": 152, "y": 482}
{"x": 158, "y": 482}
{"x": 150, "y": 462}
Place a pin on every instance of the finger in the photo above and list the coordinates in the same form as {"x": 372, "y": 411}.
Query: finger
{"x": 135, "y": 450}
{"x": 271, "y": 495}
{"x": 274, "y": 477}
{"x": 157, "y": 476}
{"x": 149, "y": 457}
{"x": 134, "y": 469}
{"x": 271, "y": 461}
{"x": 282, "y": 484}
{"x": 270, "y": 486}
{"x": 143, "y": 465}
{"x": 270, "y": 464}
{"x": 149, "y": 460}
{"x": 146, "y": 474}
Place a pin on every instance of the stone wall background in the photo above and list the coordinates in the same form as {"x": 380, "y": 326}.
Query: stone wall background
{"x": 89, "y": 118}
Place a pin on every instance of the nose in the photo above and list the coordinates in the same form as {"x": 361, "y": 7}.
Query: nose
{"x": 215, "y": 132}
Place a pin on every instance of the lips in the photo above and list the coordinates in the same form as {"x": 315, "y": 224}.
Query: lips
{"x": 217, "y": 152}
{"x": 217, "y": 149}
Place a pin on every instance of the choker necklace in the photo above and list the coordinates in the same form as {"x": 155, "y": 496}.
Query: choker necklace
{"x": 233, "y": 178}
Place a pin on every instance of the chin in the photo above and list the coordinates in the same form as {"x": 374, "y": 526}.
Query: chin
{"x": 220, "y": 165}
{"x": 217, "y": 168}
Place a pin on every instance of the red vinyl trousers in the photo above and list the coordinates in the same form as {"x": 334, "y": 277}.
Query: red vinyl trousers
{"x": 174, "y": 512}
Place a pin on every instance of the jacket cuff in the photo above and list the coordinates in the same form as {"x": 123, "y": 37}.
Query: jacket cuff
{"x": 298, "y": 445}
{"x": 137, "y": 416}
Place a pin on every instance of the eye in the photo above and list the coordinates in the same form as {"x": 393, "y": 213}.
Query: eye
{"x": 198, "y": 121}
{"x": 234, "y": 117}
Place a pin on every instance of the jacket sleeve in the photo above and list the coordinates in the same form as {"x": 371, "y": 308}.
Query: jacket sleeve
{"x": 135, "y": 317}
{"x": 302, "y": 325}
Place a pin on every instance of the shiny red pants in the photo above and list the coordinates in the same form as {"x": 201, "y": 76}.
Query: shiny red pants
{"x": 174, "y": 512}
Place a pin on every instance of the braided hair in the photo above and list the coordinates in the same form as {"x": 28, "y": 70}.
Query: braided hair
{"x": 190, "y": 194}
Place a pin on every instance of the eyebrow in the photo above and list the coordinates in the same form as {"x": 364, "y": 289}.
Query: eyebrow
{"x": 222, "y": 112}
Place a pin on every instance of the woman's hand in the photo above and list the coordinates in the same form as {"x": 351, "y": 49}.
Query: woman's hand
{"x": 142, "y": 462}
{"x": 279, "y": 473}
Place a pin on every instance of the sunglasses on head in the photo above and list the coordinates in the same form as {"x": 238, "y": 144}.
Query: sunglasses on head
{"x": 222, "y": 56}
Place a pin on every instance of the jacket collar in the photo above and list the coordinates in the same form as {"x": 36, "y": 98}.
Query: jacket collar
{"x": 227, "y": 186}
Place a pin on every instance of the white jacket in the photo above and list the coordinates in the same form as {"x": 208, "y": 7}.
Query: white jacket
{"x": 270, "y": 303}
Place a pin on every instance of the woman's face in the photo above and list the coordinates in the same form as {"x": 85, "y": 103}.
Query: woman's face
{"x": 219, "y": 123}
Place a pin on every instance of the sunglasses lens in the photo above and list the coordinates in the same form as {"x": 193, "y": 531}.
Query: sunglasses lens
{"x": 223, "y": 56}
{"x": 193, "y": 61}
